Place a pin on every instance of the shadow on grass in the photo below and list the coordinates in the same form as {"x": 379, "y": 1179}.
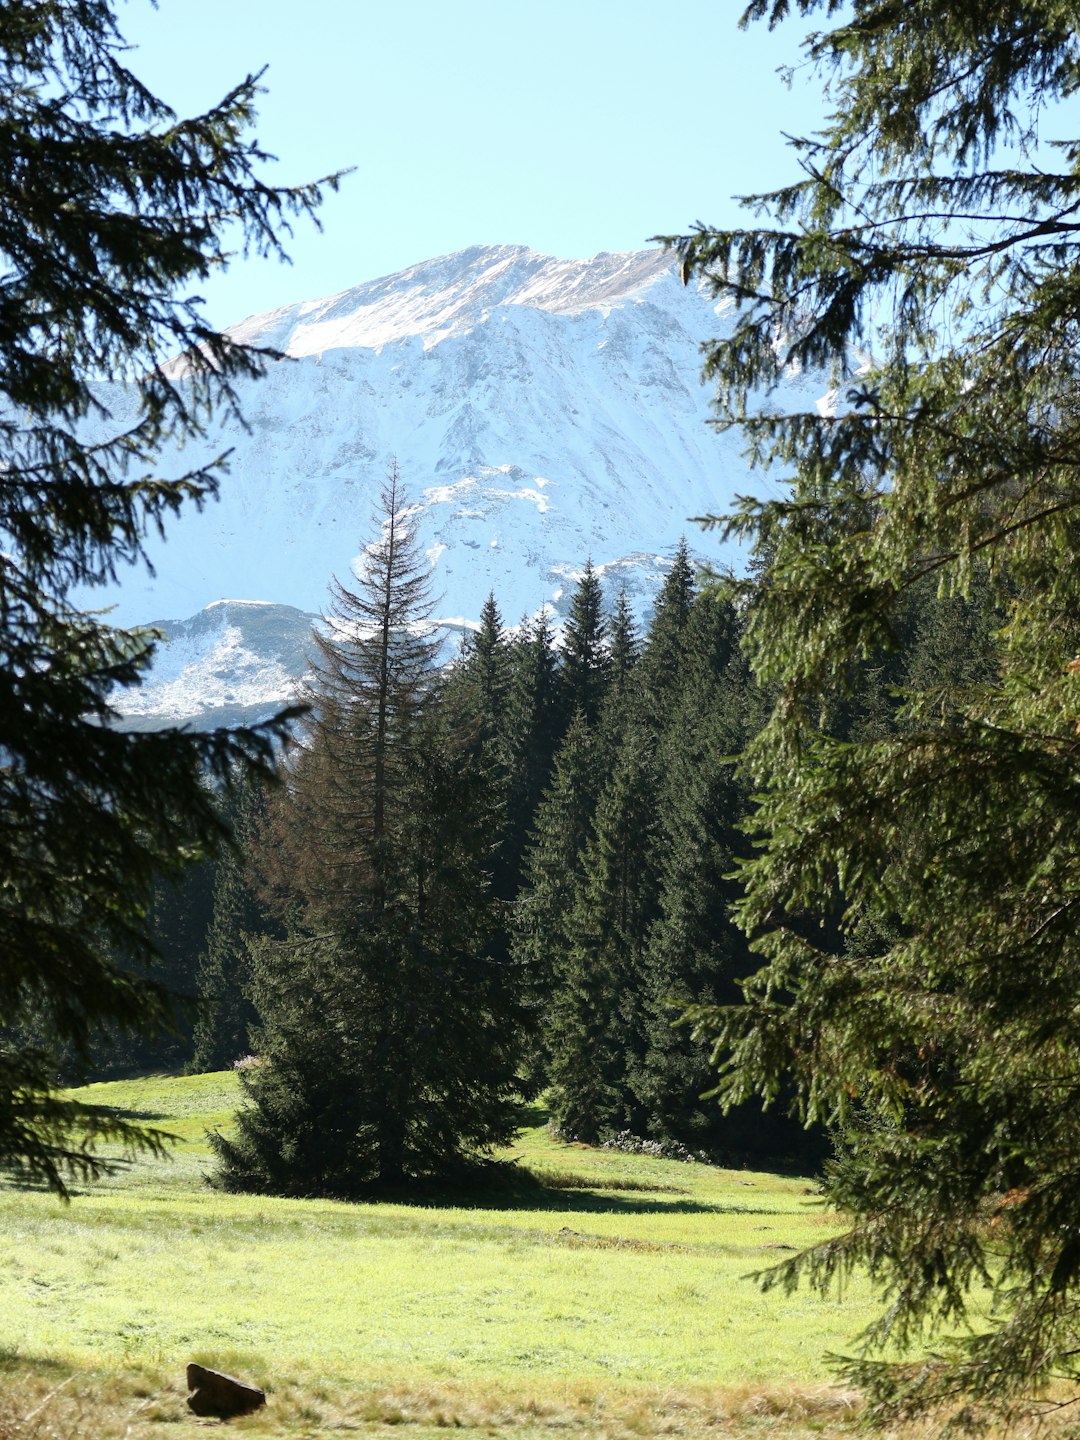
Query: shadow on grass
{"x": 133, "y": 1115}
{"x": 500, "y": 1187}
{"x": 15, "y": 1359}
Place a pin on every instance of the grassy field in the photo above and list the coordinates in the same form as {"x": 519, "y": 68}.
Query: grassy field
{"x": 616, "y": 1300}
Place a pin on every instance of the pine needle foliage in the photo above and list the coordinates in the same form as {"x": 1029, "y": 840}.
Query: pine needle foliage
{"x": 112, "y": 211}
{"x": 946, "y": 1050}
{"x": 532, "y": 730}
{"x": 585, "y": 661}
{"x": 597, "y": 1026}
{"x": 389, "y": 1034}
{"x": 223, "y": 972}
{"x": 542, "y": 931}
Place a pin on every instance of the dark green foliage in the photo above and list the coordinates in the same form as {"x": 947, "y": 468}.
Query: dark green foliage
{"x": 532, "y": 730}
{"x": 111, "y": 214}
{"x": 597, "y": 1025}
{"x": 913, "y": 901}
{"x": 624, "y": 649}
{"x": 389, "y": 1031}
{"x": 621, "y": 699}
{"x": 178, "y": 921}
{"x": 584, "y": 662}
{"x": 660, "y": 672}
{"x": 480, "y": 683}
{"x": 542, "y": 929}
{"x": 175, "y": 925}
{"x": 477, "y": 696}
{"x": 223, "y": 980}
{"x": 695, "y": 952}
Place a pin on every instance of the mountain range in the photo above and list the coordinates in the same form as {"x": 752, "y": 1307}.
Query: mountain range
{"x": 542, "y": 412}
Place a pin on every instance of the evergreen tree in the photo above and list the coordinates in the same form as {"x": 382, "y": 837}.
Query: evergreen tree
{"x": 478, "y": 695}
{"x": 945, "y": 1047}
{"x": 660, "y": 672}
{"x": 695, "y": 952}
{"x": 480, "y": 682}
{"x": 584, "y": 663}
{"x": 542, "y": 915}
{"x": 388, "y": 1035}
{"x": 597, "y": 1029}
{"x": 175, "y": 925}
{"x": 532, "y": 731}
{"x": 624, "y": 649}
{"x": 178, "y": 920}
{"x": 621, "y": 702}
{"x": 224, "y": 980}
{"x": 113, "y": 212}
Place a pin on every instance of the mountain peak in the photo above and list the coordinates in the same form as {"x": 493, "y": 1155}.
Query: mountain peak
{"x": 453, "y": 293}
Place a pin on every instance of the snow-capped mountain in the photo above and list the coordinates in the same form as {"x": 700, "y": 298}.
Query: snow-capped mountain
{"x": 234, "y": 663}
{"x": 541, "y": 411}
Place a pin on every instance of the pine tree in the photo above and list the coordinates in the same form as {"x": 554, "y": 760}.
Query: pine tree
{"x": 542, "y": 931}
{"x": 624, "y": 649}
{"x": 584, "y": 663}
{"x": 597, "y": 1033}
{"x": 224, "y": 980}
{"x": 388, "y": 1033}
{"x": 113, "y": 212}
{"x": 945, "y": 1048}
{"x": 532, "y": 731}
{"x": 660, "y": 672}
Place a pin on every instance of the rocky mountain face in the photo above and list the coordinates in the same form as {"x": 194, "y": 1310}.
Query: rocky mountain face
{"x": 234, "y": 663}
{"x": 541, "y": 411}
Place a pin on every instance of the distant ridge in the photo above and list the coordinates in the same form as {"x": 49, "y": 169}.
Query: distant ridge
{"x": 542, "y": 411}
{"x": 452, "y": 293}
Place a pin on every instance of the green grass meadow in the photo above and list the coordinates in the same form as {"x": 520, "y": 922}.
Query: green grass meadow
{"x": 616, "y": 1299}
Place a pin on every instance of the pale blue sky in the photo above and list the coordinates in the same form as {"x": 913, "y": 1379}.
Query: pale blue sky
{"x": 569, "y": 125}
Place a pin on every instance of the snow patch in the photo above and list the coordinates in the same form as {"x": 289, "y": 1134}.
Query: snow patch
{"x": 540, "y": 411}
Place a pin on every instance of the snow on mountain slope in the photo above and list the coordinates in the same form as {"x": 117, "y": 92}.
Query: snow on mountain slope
{"x": 235, "y": 662}
{"x": 542, "y": 411}
{"x": 454, "y": 293}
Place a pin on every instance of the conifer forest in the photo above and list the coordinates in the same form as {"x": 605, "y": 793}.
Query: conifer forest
{"x": 497, "y": 872}
{"x": 775, "y": 871}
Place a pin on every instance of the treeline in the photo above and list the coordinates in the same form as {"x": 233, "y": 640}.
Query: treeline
{"x": 486, "y": 881}
{"x": 499, "y": 878}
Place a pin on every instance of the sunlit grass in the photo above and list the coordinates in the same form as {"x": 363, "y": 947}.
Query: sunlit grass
{"x": 622, "y": 1285}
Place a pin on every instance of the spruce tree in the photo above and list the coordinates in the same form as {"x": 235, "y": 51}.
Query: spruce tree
{"x": 624, "y": 649}
{"x": 224, "y": 980}
{"x": 480, "y": 681}
{"x": 113, "y": 211}
{"x": 532, "y": 731}
{"x": 945, "y": 1050}
{"x": 388, "y": 1034}
{"x": 542, "y": 923}
{"x": 622, "y": 701}
{"x": 597, "y": 1029}
{"x": 584, "y": 663}
{"x": 695, "y": 952}
{"x": 660, "y": 672}
{"x": 477, "y": 693}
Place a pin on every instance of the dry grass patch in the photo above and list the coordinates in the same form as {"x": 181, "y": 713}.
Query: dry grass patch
{"x": 139, "y": 1405}
{"x": 38, "y": 1406}
{"x": 38, "y": 1402}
